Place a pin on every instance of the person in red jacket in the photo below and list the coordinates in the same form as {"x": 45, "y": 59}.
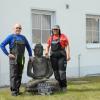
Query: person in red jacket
{"x": 59, "y": 55}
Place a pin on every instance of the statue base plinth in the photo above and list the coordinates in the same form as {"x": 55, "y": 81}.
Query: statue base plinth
{"x": 46, "y": 87}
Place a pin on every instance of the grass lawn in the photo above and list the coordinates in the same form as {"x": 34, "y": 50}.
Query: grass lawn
{"x": 86, "y": 88}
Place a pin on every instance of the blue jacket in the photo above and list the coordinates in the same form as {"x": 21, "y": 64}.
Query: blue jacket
{"x": 10, "y": 40}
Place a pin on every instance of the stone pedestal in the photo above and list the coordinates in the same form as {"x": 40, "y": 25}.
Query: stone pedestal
{"x": 42, "y": 86}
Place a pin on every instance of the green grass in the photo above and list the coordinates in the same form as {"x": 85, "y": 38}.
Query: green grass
{"x": 87, "y": 88}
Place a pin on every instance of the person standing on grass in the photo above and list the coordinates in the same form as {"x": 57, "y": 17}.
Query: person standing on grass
{"x": 59, "y": 55}
{"x": 17, "y": 44}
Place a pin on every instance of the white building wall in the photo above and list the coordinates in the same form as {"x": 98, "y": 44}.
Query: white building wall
{"x": 72, "y": 22}
{"x": 89, "y": 59}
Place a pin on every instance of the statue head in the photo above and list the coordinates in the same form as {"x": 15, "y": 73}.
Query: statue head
{"x": 38, "y": 50}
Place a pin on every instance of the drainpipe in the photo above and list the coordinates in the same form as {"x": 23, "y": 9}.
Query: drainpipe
{"x": 79, "y": 69}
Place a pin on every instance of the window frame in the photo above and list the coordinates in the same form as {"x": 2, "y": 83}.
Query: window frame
{"x": 43, "y": 12}
{"x": 93, "y": 45}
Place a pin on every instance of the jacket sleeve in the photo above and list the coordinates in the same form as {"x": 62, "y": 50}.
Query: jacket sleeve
{"x": 4, "y": 43}
{"x": 28, "y": 47}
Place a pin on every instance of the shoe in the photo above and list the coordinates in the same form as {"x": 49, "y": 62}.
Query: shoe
{"x": 19, "y": 93}
{"x": 64, "y": 89}
{"x": 14, "y": 93}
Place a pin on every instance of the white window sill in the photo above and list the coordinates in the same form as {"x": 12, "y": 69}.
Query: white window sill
{"x": 92, "y": 45}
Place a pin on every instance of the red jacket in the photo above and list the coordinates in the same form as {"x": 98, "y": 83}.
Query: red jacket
{"x": 64, "y": 41}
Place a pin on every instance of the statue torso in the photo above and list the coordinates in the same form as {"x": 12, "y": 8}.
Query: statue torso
{"x": 40, "y": 67}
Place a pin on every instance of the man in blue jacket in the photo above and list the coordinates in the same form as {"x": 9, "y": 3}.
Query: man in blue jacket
{"x": 17, "y": 44}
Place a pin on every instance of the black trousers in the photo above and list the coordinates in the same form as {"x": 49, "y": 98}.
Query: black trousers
{"x": 59, "y": 64}
{"x": 16, "y": 70}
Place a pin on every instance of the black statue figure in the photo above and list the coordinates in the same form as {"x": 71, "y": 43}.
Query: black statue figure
{"x": 40, "y": 71}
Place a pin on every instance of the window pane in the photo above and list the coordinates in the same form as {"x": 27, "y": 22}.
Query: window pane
{"x": 95, "y": 37}
{"x": 36, "y": 36}
{"x": 46, "y": 21}
{"x": 45, "y": 35}
{"x": 36, "y": 21}
{"x": 89, "y": 37}
{"x": 92, "y": 30}
{"x": 41, "y": 25}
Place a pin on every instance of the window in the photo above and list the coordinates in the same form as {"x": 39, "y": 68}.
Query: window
{"x": 92, "y": 29}
{"x": 41, "y": 25}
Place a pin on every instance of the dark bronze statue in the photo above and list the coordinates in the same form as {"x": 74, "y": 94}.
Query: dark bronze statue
{"x": 40, "y": 71}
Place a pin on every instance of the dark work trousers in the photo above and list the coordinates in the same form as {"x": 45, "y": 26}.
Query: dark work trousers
{"x": 16, "y": 70}
{"x": 59, "y": 64}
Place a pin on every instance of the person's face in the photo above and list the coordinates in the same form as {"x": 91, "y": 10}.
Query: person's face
{"x": 17, "y": 29}
{"x": 55, "y": 31}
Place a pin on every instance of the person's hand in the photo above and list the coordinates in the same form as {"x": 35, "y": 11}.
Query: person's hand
{"x": 46, "y": 55}
{"x": 31, "y": 58}
{"x": 68, "y": 58}
{"x": 11, "y": 56}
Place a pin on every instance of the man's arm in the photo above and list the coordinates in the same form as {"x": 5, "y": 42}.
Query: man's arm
{"x": 3, "y": 45}
{"x": 28, "y": 48}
